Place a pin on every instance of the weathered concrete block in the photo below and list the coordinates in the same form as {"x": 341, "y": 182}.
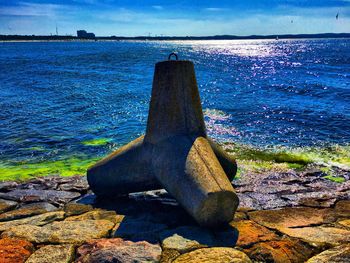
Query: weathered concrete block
{"x": 175, "y": 153}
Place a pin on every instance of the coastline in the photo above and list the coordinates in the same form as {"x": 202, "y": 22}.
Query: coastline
{"x": 332, "y": 160}
{"x": 58, "y": 38}
{"x": 284, "y": 217}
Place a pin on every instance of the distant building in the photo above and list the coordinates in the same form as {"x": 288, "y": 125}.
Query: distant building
{"x": 84, "y": 34}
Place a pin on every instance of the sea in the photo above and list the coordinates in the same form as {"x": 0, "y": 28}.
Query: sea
{"x": 64, "y": 105}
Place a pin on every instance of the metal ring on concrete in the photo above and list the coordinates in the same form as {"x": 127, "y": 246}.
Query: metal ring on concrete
{"x": 173, "y": 54}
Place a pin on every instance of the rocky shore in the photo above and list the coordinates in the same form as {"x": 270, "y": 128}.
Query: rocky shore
{"x": 284, "y": 216}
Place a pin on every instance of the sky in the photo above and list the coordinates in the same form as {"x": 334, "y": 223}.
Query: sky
{"x": 174, "y": 18}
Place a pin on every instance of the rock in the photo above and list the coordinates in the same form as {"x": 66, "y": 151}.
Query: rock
{"x": 319, "y": 236}
{"x": 14, "y": 250}
{"x": 180, "y": 244}
{"x": 240, "y": 216}
{"x": 292, "y": 217}
{"x": 98, "y": 214}
{"x": 74, "y": 232}
{"x": 7, "y": 186}
{"x": 32, "y": 195}
{"x": 313, "y": 199}
{"x": 267, "y": 201}
{"x": 345, "y": 223}
{"x": 38, "y": 220}
{"x": 339, "y": 254}
{"x": 6, "y": 205}
{"x": 136, "y": 229}
{"x": 187, "y": 238}
{"x": 53, "y": 253}
{"x": 250, "y": 233}
{"x": 168, "y": 255}
{"x": 215, "y": 254}
{"x": 248, "y": 203}
{"x": 118, "y": 250}
{"x": 27, "y": 210}
{"x": 77, "y": 184}
{"x": 281, "y": 251}
{"x": 73, "y": 209}
{"x": 342, "y": 208}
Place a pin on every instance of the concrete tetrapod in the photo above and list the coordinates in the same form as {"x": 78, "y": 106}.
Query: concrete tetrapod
{"x": 175, "y": 153}
{"x": 128, "y": 169}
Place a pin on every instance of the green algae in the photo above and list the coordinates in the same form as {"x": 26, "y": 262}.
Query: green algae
{"x": 336, "y": 155}
{"x": 26, "y": 170}
{"x": 336, "y": 179}
{"x": 97, "y": 142}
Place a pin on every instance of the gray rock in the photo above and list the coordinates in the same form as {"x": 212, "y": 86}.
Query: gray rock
{"x": 6, "y": 205}
{"x": 38, "y": 220}
{"x": 118, "y": 250}
{"x": 27, "y": 210}
{"x": 77, "y": 184}
{"x": 7, "y": 186}
{"x": 32, "y": 195}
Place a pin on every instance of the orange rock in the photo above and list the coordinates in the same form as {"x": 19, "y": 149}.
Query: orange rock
{"x": 250, "y": 233}
{"x": 14, "y": 250}
{"x": 342, "y": 208}
{"x": 281, "y": 251}
{"x": 292, "y": 217}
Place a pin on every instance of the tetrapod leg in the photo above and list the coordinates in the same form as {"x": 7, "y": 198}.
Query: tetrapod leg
{"x": 124, "y": 171}
{"x": 189, "y": 170}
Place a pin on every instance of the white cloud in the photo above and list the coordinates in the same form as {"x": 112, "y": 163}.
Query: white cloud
{"x": 31, "y": 9}
{"x": 214, "y": 9}
{"x": 157, "y": 7}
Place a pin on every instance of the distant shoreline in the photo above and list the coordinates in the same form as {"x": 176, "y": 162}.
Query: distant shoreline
{"x": 160, "y": 38}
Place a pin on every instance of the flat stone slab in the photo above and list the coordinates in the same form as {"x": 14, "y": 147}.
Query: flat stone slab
{"x": 280, "y": 251}
{"x": 38, "y": 220}
{"x": 7, "y": 186}
{"x": 15, "y": 250}
{"x": 27, "y": 210}
{"x": 319, "y": 236}
{"x": 79, "y": 184}
{"x": 314, "y": 199}
{"x": 215, "y": 254}
{"x": 118, "y": 250}
{"x": 250, "y": 233}
{"x": 32, "y": 195}
{"x": 342, "y": 208}
{"x": 74, "y": 232}
{"x": 6, "y": 205}
{"x": 345, "y": 223}
{"x": 187, "y": 238}
{"x": 339, "y": 254}
{"x": 97, "y": 214}
{"x": 292, "y": 217}
{"x": 53, "y": 253}
{"x": 73, "y": 209}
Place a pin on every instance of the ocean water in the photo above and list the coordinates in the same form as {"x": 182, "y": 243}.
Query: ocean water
{"x": 63, "y": 105}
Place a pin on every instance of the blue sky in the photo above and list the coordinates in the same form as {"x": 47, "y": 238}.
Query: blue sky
{"x": 179, "y": 18}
